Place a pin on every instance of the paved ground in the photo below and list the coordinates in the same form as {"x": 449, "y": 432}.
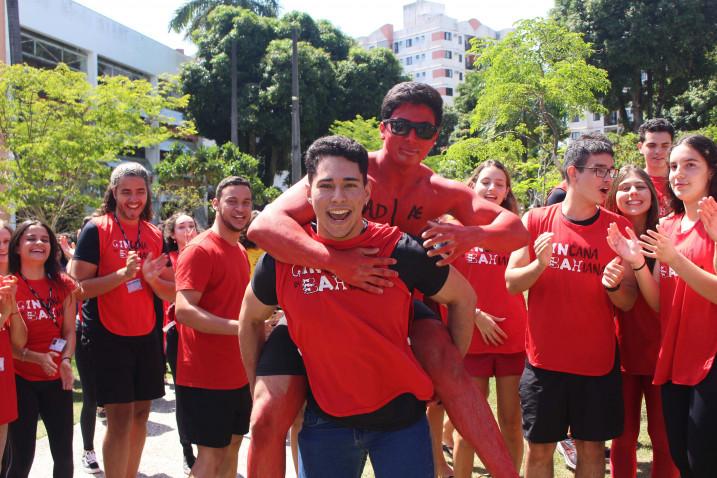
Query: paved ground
{"x": 162, "y": 456}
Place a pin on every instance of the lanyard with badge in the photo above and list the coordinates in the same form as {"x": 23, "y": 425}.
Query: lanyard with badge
{"x": 133, "y": 285}
{"x": 58, "y": 343}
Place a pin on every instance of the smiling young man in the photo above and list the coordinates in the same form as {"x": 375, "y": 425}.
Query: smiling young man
{"x": 367, "y": 390}
{"x": 212, "y": 392}
{"x": 407, "y": 194}
{"x": 656, "y": 136}
{"x": 120, "y": 266}
{"x": 572, "y": 379}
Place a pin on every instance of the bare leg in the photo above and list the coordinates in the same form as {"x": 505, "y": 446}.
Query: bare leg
{"x": 3, "y": 439}
{"x": 277, "y": 401}
{"x": 294, "y": 438}
{"x": 591, "y": 459}
{"x": 539, "y": 463}
{"x": 138, "y": 434}
{"x": 448, "y": 430}
{"x": 467, "y": 407}
{"x": 463, "y": 452}
{"x": 435, "y": 421}
{"x": 228, "y": 467}
{"x": 116, "y": 445}
{"x": 208, "y": 462}
{"x": 510, "y": 416}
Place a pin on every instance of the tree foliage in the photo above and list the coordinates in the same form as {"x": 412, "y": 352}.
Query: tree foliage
{"x": 337, "y": 81}
{"x": 651, "y": 49}
{"x": 529, "y": 83}
{"x": 188, "y": 178}
{"x": 61, "y": 133}
{"x": 363, "y": 131}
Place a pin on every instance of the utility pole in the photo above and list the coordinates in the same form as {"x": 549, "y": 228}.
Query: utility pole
{"x": 295, "y": 121}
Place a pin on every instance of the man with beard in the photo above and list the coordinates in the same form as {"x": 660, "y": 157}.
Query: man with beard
{"x": 212, "y": 388}
{"x": 120, "y": 267}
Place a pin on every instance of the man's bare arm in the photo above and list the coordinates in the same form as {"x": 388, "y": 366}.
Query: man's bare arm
{"x": 191, "y": 315}
{"x": 278, "y": 230}
{"x": 459, "y": 297}
{"x": 92, "y": 286}
{"x": 251, "y": 331}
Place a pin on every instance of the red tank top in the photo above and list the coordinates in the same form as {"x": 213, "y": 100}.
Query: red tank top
{"x": 689, "y": 343}
{"x": 8, "y": 396}
{"x": 354, "y": 344}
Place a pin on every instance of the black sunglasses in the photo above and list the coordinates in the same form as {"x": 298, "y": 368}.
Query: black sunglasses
{"x": 402, "y": 127}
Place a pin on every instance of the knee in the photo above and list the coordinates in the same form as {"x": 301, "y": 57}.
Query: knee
{"x": 266, "y": 422}
{"x": 540, "y": 453}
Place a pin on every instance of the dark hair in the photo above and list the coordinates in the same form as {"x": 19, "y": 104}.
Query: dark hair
{"x": 243, "y": 239}
{"x": 653, "y": 214}
{"x": 509, "y": 203}
{"x": 706, "y": 148}
{"x": 415, "y": 93}
{"x": 336, "y": 146}
{"x": 128, "y": 169}
{"x": 230, "y": 181}
{"x": 168, "y": 229}
{"x": 53, "y": 269}
{"x": 656, "y": 125}
{"x": 580, "y": 151}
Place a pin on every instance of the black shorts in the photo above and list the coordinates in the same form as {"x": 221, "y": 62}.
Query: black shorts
{"x": 553, "y": 402}
{"x": 211, "y": 417}
{"x": 127, "y": 369}
{"x": 280, "y": 356}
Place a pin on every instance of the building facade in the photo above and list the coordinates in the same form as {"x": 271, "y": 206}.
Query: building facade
{"x": 431, "y": 46}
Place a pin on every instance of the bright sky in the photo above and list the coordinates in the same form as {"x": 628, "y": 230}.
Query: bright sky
{"x": 356, "y": 18}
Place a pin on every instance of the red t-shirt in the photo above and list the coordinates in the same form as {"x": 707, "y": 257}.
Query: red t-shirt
{"x": 220, "y": 271}
{"x": 663, "y": 196}
{"x": 570, "y": 317}
{"x": 8, "y": 396}
{"x": 41, "y": 329}
{"x": 485, "y": 271}
{"x": 639, "y": 332}
{"x": 128, "y": 309}
{"x": 689, "y": 343}
{"x": 354, "y": 344}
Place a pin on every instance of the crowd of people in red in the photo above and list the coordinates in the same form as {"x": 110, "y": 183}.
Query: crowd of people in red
{"x": 392, "y": 294}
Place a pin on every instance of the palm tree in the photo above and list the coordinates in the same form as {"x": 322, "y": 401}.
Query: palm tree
{"x": 193, "y": 15}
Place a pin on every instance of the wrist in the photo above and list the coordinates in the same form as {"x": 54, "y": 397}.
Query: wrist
{"x": 639, "y": 267}
{"x": 612, "y": 289}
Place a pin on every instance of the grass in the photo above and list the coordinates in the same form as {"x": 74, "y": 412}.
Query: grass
{"x": 644, "y": 454}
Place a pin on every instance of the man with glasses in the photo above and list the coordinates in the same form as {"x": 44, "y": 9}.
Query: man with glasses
{"x": 572, "y": 378}
{"x": 407, "y": 194}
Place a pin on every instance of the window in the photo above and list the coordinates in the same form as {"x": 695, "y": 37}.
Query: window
{"x": 460, "y": 58}
{"x": 409, "y": 42}
{"x": 409, "y": 60}
{"x": 447, "y": 36}
{"x": 42, "y": 52}
{"x": 423, "y": 56}
{"x": 448, "y": 54}
{"x": 449, "y": 91}
{"x": 106, "y": 67}
{"x": 395, "y": 47}
{"x": 596, "y": 116}
{"x": 460, "y": 39}
{"x": 449, "y": 73}
{"x": 575, "y": 135}
{"x": 575, "y": 119}
{"x": 460, "y": 76}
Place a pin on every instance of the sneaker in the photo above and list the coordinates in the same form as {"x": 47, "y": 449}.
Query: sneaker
{"x": 570, "y": 454}
{"x": 89, "y": 462}
{"x": 102, "y": 415}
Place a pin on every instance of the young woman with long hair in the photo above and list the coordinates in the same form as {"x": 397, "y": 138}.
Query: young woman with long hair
{"x": 43, "y": 366}
{"x": 683, "y": 287}
{"x": 12, "y": 332}
{"x": 178, "y": 231}
{"x": 498, "y": 346}
{"x": 639, "y": 334}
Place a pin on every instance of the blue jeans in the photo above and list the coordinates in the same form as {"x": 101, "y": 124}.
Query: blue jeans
{"x": 329, "y": 450}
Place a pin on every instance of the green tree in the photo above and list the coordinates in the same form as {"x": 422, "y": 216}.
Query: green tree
{"x": 188, "y": 178}
{"x": 193, "y": 16}
{"x": 61, "y": 133}
{"x": 651, "y": 49}
{"x": 363, "y": 131}
{"x": 531, "y": 81}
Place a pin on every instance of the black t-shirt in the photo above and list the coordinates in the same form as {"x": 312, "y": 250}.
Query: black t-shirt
{"x": 417, "y": 271}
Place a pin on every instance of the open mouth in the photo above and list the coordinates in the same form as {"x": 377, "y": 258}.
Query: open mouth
{"x": 339, "y": 214}
{"x": 605, "y": 190}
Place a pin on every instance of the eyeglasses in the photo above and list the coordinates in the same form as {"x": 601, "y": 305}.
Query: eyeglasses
{"x": 601, "y": 172}
{"x": 402, "y": 127}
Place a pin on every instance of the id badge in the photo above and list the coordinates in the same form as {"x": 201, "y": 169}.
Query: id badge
{"x": 2, "y": 364}
{"x": 58, "y": 344}
{"x": 134, "y": 285}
